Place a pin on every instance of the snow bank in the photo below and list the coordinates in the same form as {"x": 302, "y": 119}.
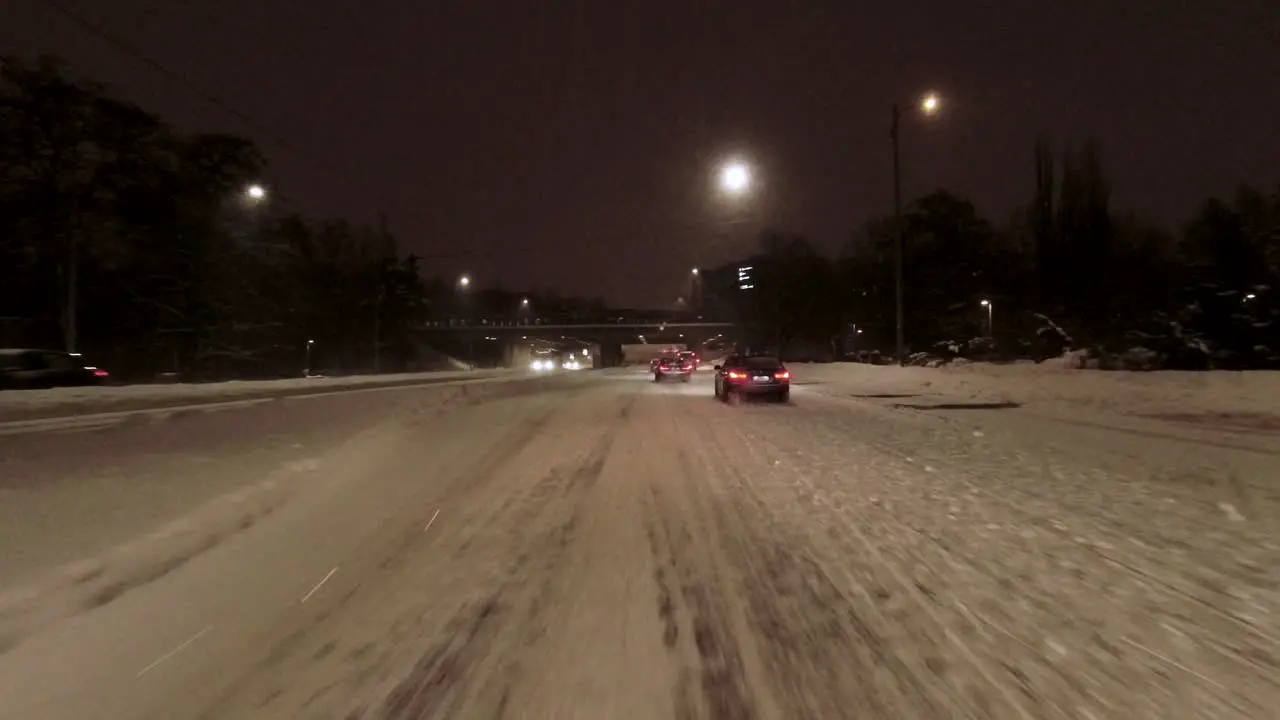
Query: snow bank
{"x": 91, "y": 582}
{"x": 1054, "y": 384}
{"x": 59, "y": 402}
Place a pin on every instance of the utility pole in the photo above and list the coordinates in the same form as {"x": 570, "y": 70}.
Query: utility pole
{"x": 73, "y": 279}
{"x": 899, "y": 243}
{"x": 378, "y": 297}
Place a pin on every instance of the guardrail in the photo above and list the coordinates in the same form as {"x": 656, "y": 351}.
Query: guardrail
{"x": 34, "y": 405}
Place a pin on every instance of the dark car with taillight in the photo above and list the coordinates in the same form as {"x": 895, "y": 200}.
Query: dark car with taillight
{"x": 22, "y": 369}
{"x": 753, "y": 375}
{"x": 673, "y": 367}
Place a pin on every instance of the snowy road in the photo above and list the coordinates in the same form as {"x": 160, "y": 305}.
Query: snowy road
{"x": 611, "y": 548}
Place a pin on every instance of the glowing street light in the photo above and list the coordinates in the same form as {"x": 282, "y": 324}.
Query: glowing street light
{"x": 930, "y": 104}
{"x": 990, "y": 321}
{"x": 524, "y": 302}
{"x": 695, "y": 271}
{"x": 735, "y": 178}
{"x": 464, "y": 282}
{"x": 255, "y": 192}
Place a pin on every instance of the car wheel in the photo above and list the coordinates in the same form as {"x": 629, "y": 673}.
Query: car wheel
{"x": 784, "y": 396}
{"x": 657, "y": 377}
{"x": 684, "y": 378}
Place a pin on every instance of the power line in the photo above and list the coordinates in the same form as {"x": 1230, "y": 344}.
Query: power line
{"x": 126, "y": 48}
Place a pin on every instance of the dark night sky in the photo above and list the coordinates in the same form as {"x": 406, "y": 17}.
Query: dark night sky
{"x": 575, "y": 148}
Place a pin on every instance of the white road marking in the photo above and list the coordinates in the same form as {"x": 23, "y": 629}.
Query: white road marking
{"x": 1175, "y": 663}
{"x": 433, "y": 519}
{"x": 1232, "y": 513}
{"x": 173, "y": 652}
{"x": 320, "y": 584}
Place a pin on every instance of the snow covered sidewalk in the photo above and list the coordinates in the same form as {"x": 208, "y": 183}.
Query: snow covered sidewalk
{"x": 1055, "y": 388}
{"x": 16, "y": 405}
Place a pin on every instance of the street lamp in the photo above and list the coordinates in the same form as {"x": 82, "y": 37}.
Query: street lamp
{"x": 930, "y": 104}
{"x": 307, "y": 371}
{"x": 464, "y": 282}
{"x": 991, "y": 329}
{"x": 735, "y": 178}
{"x": 695, "y": 289}
{"x": 255, "y": 192}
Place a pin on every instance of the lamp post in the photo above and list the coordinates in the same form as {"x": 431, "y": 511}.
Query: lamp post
{"x": 464, "y": 283}
{"x": 736, "y": 180}
{"x": 929, "y": 105}
{"x": 991, "y": 330}
{"x": 306, "y": 372}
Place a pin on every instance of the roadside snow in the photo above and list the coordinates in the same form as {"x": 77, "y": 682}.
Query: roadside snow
{"x": 1134, "y": 393}
{"x": 28, "y": 404}
{"x": 104, "y": 574}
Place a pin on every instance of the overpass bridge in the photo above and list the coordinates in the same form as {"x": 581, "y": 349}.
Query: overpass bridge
{"x": 489, "y": 343}
{"x": 630, "y": 325}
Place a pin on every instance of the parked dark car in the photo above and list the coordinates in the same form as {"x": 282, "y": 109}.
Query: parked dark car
{"x": 753, "y": 375}
{"x": 22, "y": 369}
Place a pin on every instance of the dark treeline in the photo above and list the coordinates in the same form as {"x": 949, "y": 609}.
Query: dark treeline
{"x": 1067, "y": 272}
{"x": 141, "y": 247}
{"x": 145, "y": 249}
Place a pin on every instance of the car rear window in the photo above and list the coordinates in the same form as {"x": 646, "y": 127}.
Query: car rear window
{"x": 761, "y": 363}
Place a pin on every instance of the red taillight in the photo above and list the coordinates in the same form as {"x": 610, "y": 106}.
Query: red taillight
{"x": 735, "y": 375}
{"x": 688, "y": 367}
{"x": 101, "y": 373}
{"x": 782, "y": 375}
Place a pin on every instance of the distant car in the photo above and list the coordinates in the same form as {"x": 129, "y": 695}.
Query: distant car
{"x": 753, "y": 375}
{"x": 672, "y": 367}
{"x": 691, "y": 357}
{"x": 666, "y": 355}
{"x": 22, "y": 369}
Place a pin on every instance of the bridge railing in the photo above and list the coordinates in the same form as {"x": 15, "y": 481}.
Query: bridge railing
{"x": 620, "y": 321}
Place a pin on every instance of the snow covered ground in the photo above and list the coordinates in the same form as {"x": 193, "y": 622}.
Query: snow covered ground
{"x": 57, "y": 402}
{"x": 1051, "y": 386}
{"x": 615, "y": 547}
